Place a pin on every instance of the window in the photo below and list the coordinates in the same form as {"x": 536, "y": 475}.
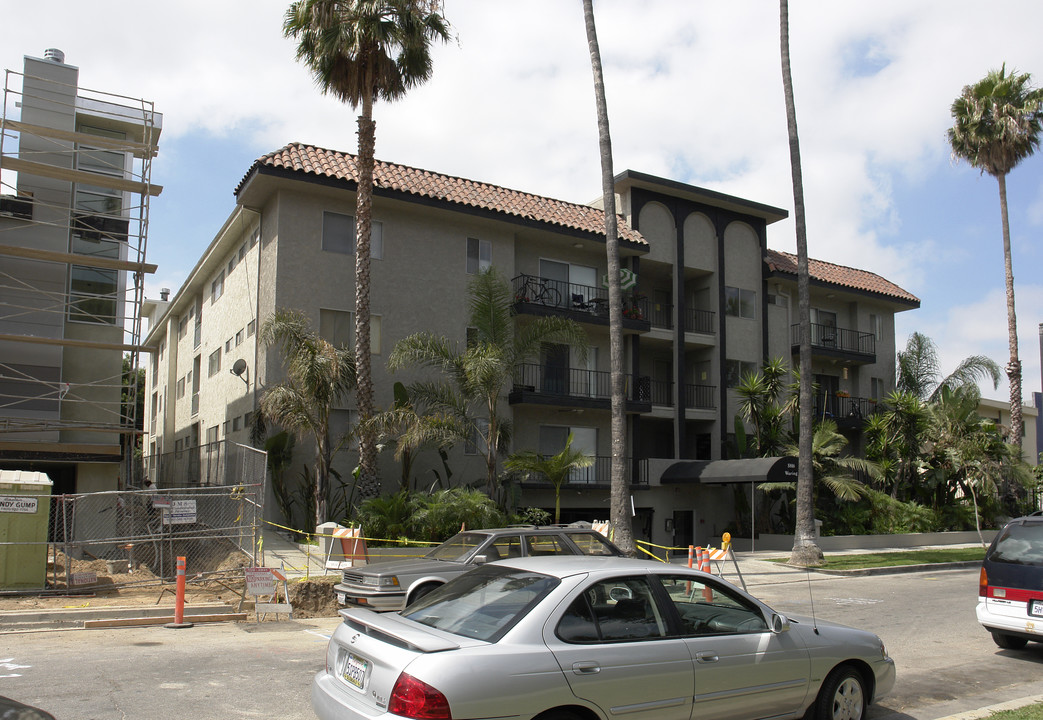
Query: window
{"x": 876, "y": 388}
{"x": 255, "y": 236}
{"x": 248, "y": 419}
{"x": 235, "y": 423}
{"x": 250, "y": 326}
{"x": 228, "y": 346}
{"x": 740, "y": 302}
{"x": 215, "y": 363}
{"x": 876, "y": 325}
{"x": 620, "y": 609}
{"x": 182, "y": 327}
{"x": 217, "y": 287}
{"x": 479, "y": 255}
{"x": 155, "y": 407}
{"x": 339, "y": 235}
{"x": 242, "y": 252}
{"x": 180, "y": 389}
{"x": 710, "y": 609}
{"x": 338, "y": 327}
{"x": 736, "y": 370}
{"x": 224, "y": 428}
{"x": 476, "y": 444}
{"x": 239, "y": 338}
{"x": 211, "y": 434}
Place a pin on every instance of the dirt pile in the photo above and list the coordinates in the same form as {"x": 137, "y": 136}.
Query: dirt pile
{"x": 314, "y": 597}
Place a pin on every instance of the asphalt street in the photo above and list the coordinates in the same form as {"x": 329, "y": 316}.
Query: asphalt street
{"x": 946, "y": 662}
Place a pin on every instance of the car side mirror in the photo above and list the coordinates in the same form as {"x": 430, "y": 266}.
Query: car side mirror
{"x": 480, "y": 559}
{"x": 779, "y": 623}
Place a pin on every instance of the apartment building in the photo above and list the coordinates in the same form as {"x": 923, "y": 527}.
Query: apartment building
{"x": 75, "y": 169}
{"x": 705, "y": 301}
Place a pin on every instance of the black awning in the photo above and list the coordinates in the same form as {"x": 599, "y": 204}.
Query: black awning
{"x": 720, "y": 472}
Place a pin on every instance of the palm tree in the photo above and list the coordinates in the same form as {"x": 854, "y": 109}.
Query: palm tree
{"x": 805, "y": 550}
{"x": 359, "y": 50}
{"x": 556, "y": 468}
{"x": 476, "y": 377}
{"x": 318, "y": 376}
{"x": 997, "y": 124}
{"x": 766, "y": 400}
{"x": 831, "y": 469}
{"x": 620, "y": 506}
{"x": 918, "y": 371}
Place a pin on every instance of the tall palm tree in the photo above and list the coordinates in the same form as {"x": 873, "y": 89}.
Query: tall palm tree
{"x": 475, "y": 378}
{"x": 359, "y": 50}
{"x": 805, "y": 550}
{"x": 620, "y": 506}
{"x": 997, "y": 124}
{"x": 318, "y": 376}
{"x": 556, "y": 468}
{"x": 918, "y": 371}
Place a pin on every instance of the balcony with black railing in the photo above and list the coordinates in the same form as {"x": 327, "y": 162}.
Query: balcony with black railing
{"x": 695, "y": 320}
{"x": 696, "y": 397}
{"x": 846, "y": 411}
{"x": 836, "y": 342}
{"x": 535, "y": 295}
{"x": 597, "y": 475}
{"x": 575, "y": 387}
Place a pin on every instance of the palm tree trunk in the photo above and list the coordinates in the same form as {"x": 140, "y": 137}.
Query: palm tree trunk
{"x": 369, "y": 483}
{"x": 805, "y": 550}
{"x": 620, "y": 505}
{"x": 1014, "y": 365}
{"x": 322, "y": 476}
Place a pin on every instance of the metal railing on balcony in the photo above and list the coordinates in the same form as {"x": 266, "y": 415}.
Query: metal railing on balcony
{"x": 566, "y": 296}
{"x": 702, "y": 397}
{"x": 828, "y": 337}
{"x": 575, "y": 382}
{"x": 600, "y": 473}
{"x": 843, "y": 407}
{"x": 700, "y": 321}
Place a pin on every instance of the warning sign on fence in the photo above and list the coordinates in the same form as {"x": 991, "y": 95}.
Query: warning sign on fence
{"x": 16, "y": 504}
{"x": 181, "y": 512}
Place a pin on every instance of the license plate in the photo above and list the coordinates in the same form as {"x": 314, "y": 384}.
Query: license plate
{"x": 1036, "y": 608}
{"x": 355, "y": 670}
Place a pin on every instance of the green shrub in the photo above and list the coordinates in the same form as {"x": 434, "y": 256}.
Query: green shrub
{"x": 532, "y": 516}
{"x": 441, "y": 514}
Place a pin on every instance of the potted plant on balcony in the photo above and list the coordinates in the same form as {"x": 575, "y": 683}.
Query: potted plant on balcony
{"x": 632, "y": 307}
{"x": 843, "y": 394}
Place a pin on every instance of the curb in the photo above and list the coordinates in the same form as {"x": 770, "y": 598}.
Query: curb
{"x": 999, "y": 707}
{"x": 895, "y": 569}
{"x": 76, "y": 619}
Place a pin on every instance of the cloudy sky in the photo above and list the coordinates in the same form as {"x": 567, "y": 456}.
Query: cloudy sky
{"x": 694, "y": 92}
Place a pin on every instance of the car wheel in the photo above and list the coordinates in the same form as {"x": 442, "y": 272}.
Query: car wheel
{"x": 558, "y": 715}
{"x": 420, "y": 592}
{"x": 1009, "y": 642}
{"x": 842, "y": 696}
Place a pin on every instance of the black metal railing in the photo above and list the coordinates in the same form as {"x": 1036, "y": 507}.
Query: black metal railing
{"x": 563, "y": 295}
{"x": 695, "y": 396}
{"x": 829, "y": 337}
{"x": 700, "y": 321}
{"x": 840, "y": 407}
{"x": 600, "y": 473}
{"x": 575, "y": 382}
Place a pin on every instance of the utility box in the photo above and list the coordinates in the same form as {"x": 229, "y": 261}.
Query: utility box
{"x": 25, "y": 509}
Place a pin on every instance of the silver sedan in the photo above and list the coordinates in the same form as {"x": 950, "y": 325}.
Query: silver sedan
{"x": 582, "y": 638}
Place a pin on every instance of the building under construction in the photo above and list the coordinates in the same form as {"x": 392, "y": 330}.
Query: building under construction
{"x": 75, "y": 186}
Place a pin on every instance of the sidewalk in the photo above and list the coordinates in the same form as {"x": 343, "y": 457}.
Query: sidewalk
{"x": 280, "y": 552}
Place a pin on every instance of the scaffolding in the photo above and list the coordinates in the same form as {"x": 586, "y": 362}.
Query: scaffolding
{"x": 75, "y": 186}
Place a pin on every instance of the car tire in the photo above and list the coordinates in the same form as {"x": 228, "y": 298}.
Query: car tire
{"x": 1009, "y": 642}
{"x": 420, "y": 592}
{"x": 842, "y": 697}
{"x": 558, "y": 715}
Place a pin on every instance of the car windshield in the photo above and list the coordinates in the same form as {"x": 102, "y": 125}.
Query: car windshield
{"x": 458, "y": 547}
{"x": 1020, "y": 543}
{"x": 483, "y": 604}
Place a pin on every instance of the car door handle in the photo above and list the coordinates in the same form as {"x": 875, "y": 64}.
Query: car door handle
{"x": 707, "y": 657}
{"x": 586, "y": 668}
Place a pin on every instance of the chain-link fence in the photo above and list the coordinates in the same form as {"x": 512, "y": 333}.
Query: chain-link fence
{"x": 211, "y": 513}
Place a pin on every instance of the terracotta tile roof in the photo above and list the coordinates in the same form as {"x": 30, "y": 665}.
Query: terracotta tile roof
{"x": 783, "y": 262}
{"x": 423, "y": 183}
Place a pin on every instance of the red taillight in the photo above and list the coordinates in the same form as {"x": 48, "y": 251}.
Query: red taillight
{"x": 983, "y": 583}
{"x": 413, "y": 698}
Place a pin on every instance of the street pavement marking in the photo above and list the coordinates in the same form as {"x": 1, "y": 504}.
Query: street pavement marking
{"x": 9, "y": 664}
{"x": 855, "y": 601}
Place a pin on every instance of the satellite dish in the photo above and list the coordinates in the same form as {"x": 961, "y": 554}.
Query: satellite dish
{"x": 239, "y": 367}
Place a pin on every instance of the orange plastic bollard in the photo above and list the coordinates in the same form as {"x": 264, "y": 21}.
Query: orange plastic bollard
{"x": 691, "y": 551}
{"x": 179, "y": 598}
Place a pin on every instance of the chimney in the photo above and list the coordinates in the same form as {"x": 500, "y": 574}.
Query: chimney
{"x": 164, "y": 294}
{"x": 54, "y": 55}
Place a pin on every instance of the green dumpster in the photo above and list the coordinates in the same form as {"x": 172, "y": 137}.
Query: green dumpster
{"x": 25, "y": 508}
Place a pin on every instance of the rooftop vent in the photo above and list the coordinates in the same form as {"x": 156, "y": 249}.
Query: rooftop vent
{"x": 164, "y": 294}
{"x": 54, "y": 55}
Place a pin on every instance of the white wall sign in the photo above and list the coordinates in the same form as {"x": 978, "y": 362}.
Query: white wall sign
{"x": 181, "y": 512}
{"x": 16, "y": 504}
